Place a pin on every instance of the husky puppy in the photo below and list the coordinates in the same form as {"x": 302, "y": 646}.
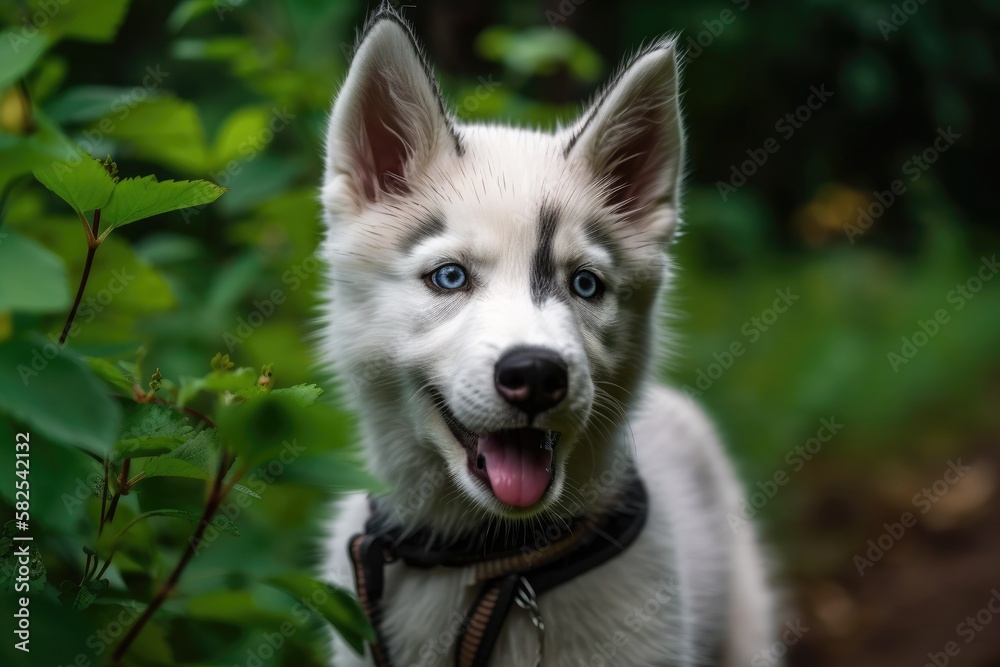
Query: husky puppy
{"x": 493, "y": 312}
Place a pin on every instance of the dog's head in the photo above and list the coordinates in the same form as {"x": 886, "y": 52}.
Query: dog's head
{"x": 493, "y": 288}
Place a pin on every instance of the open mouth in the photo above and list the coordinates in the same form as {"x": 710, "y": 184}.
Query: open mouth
{"x": 515, "y": 464}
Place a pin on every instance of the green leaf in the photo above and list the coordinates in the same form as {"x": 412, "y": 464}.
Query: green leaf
{"x": 219, "y": 521}
{"x": 195, "y": 458}
{"x": 187, "y": 11}
{"x": 240, "y": 133}
{"x": 239, "y": 382}
{"x": 83, "y": 104}
{"x": 167, "y": 131}
{"x": 80, "y": 597}
{"x": 340, "y": 470}
{"x": 264, "y": 425}
{"x": 303, "y": 394}
{"x": 238, "y": 607}
{"x": 151, "y": 428}
{"x": 21, "y": 154}
{"x": 18, "y": 53}
{"x": 83, "y": 184}
{"x": 32, "y": 279}
{"x": 164, "y": 466}
{"x": 138, "y": 198}
{"x": 90, "y": 20}
{"x": 54, "y": 392}
{"x": 111, "y": 373}
{"x": 334, "y": 604}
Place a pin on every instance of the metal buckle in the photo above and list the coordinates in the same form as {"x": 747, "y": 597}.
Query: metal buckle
{"x": 527, "y": 600}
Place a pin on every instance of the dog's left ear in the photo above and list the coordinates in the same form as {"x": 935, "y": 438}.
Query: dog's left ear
{"x": 633, "y": 141}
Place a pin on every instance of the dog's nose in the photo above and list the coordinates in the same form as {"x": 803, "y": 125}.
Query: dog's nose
{"x": 532, "y": 379}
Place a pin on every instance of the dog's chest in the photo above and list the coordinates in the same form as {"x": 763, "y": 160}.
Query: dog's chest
{"x": 627, "y": 612}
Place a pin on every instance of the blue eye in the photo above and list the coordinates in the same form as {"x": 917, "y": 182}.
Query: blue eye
{"x": 586, "y": 284}
{"x": 448, "y": 277}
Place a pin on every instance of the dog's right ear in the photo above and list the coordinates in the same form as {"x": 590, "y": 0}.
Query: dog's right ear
{"x": 388, "y": 120}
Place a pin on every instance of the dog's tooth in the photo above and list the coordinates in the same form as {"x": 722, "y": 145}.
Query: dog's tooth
{"x": 548, "y": 442}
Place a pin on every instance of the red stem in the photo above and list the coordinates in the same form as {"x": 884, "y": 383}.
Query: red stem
{"x": 91, "y": 251}
{"x": 211, "y": 505}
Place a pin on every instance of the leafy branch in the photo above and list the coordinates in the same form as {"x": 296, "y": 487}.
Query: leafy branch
{"x": 90, "y": 185}
{"x": 215, "y": 497}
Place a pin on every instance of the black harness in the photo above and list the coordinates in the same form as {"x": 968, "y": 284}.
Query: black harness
{"x": 514, "y": 568}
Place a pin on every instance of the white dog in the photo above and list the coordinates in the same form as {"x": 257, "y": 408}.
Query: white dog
{"x": 494, "y": 314}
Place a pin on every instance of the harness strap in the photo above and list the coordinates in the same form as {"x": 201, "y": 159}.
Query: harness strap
{"x": 486, "y": 615}
{"x": 591, "y": 542}
{"x": 368, "y": 555}
{"x": 484, "y": 620}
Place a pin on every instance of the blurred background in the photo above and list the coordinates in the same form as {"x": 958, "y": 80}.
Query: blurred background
{"x": 837, "y": 305}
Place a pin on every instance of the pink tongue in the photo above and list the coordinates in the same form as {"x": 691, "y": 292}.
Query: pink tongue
{"x": 518, "y": 466}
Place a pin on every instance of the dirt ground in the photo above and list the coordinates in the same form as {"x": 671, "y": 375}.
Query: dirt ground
{"x": 915, "y": 596}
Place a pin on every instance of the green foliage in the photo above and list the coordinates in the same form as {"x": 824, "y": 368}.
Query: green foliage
{"x": 209, "y": 295}
{"x": 138, "y": 198}
{"x": 85, "y": 186}
{"x": 334, "y": 604}
{"x": 17, "y": 56}
{"x": 120, "y": 453}
{"x": 36, "y": 371}
{"x": 32, "y": 279}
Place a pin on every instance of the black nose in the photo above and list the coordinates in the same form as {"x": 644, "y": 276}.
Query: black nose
{"x": 532, "y": 379}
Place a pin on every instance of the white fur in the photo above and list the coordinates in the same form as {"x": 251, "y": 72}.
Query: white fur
{"x": 389, "y": 337}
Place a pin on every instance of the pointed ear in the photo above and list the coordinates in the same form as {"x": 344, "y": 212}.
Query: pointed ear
{"x": 632, "y": 140}
{"x": 388, "y": 120}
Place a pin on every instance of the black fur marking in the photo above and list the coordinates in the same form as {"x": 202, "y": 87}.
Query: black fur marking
{"x": 386, "y": 12}
{"x": 600, "y": 98}
{"x": 543, "y": 265}
{"x": 431, "y": 227}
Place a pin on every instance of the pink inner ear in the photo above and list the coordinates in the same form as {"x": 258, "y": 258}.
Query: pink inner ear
{"x": 384, "y": 151}
{"x": 635, "y": 164}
